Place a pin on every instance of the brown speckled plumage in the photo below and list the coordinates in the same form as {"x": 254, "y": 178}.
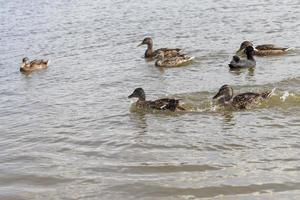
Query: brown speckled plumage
{"x": 241, "y": 101}
{"x": 262, "y": 50}
{"x": 174, "y": 61}
{"x": 30, "y": 66}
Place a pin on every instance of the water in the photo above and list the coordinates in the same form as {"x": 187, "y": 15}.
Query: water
{"x": 69, "y": 132}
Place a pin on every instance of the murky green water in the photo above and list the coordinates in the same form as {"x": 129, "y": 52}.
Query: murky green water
{"x": 68, "y": 132}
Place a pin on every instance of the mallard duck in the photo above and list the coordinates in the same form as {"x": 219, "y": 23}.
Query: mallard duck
{"x": 150, "y": 53}
{"x": 29, "y": 66}
{"x": 159, "y": 104}
{"x": 240, "y": 101}
{"x": 238, "y": 62}
{"x": 174, "y": 61}
{"x": 262, "y": 50}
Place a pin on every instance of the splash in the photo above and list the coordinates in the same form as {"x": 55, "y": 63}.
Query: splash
{"x": 285, "y": 96}
{"x": 213, "y": 107}
{"x": 273, "y": 92}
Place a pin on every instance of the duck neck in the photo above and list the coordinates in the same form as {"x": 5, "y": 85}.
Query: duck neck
{"x": 142, "y": 98}
{"x": 250, "y": 56}
{"x": 228, "y": 97}
{"x": 225, "y": 99}
{"x": 149, "y": 50}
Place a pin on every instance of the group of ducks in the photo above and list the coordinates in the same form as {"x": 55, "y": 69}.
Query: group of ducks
{"x": 168, "y": 57}
{"x": 244, "y": 58}
{"x": 165, "y": 57}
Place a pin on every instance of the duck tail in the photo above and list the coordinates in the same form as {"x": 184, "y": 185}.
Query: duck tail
{"x": 289, "y": 49}
{"x": 178, "y": 106}
{"x": 48, "y": 62}
{"x": 268, "y": 93}
{"x": 190, "y": 58}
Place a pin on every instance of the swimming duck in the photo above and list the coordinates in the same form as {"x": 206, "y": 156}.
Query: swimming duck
{"x": 174, "y": 61}
{"x": 159, "y": 104}
{"x": 151, "y": 54}
{"x": 240, "y": 101}
{"x": 29, "y": 66}
{"x": 262, "y": 50}
{"x": 249, "y": 62}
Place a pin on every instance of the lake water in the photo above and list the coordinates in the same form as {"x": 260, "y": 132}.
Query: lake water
{"x": 69, "y": 132}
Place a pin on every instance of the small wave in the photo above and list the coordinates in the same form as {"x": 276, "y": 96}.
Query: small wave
{"x": 285, "y": 95}
{"x": 157, "y": 191}
{"x": 204, "y": 103}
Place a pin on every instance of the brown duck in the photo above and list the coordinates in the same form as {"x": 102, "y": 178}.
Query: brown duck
{"x": 159, "y": 104}
{"x": 30, "y": 66}
{"x": 262, "y": 50}
{"x": 241, "y": 101}
{"x": 150, "y": 53}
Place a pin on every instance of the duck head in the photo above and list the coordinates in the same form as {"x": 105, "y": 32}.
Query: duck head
{"x": 25, "y": 61}
{"x": 148, "y": 41}
{"x": 226, "y": 92}
{"x": 243, "y": 46}
{"x": 249, "y": 51}
{"x": 138, "y": 93}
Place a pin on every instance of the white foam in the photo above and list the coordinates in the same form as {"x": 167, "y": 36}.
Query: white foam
{"x": 285, "y": 95}
{"x": 213, "y": 107}
{"x": 273, "y": 92}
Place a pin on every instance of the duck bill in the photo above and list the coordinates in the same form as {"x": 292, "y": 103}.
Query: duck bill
{"x": 140, "y": 45}
{"x": 131, "y": 96}
{"x": 217, "y": 95}
{"x": 239, "y": 52}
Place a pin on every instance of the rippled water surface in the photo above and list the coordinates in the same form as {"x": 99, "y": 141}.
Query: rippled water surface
{"x": 69, "y": 132}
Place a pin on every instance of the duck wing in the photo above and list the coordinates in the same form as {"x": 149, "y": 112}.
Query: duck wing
{"x": 169, "y": 49}
{"x": 38, "y": 62}
{"x": 271, "y": 52}
{"x": 265, "y": 46}
{"x": 174, "y": 61}
{"x": 168, "y": 52}
{"x": 166, "y": 104}
{"x": 248, "y": 99}
{"x": 273, "y": 47}
{"x": 244, "y": 100}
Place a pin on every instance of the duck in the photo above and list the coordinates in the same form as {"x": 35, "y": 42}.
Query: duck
{"x": 262, "y": 50}
{"x": 150, "y": 53}
{"x": 241, "y": 101}
{"x": 30, "y": 66}
{"x": 238, "y": 62}
{"x": 159, "y": 104}
{"x": 174, "y": 61}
